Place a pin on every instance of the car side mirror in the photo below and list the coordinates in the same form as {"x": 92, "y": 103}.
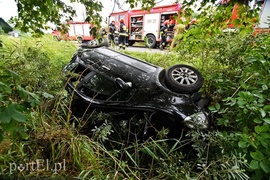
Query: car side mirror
{"x": 121, "y": 84}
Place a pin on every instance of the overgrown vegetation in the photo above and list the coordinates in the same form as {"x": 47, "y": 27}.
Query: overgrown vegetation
{"x": 43, "y": 138}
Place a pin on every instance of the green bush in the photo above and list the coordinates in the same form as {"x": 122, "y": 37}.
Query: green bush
{"x": 236, "y": 70}
{"x": 247, "y": 110}
{"x": 15, "y": 105}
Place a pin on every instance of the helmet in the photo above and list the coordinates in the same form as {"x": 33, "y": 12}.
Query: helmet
{"x": 121, "y": 20}
{"x": 193, "y": 21}
{"x": 166, "y": 22}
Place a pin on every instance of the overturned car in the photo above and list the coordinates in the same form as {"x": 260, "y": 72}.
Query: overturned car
{"x": 118, "y": 83}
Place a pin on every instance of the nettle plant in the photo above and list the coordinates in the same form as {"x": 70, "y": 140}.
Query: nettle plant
{"x": 15, "y": 104}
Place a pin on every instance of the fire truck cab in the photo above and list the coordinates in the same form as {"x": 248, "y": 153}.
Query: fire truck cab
{"x": 145, "y": 25}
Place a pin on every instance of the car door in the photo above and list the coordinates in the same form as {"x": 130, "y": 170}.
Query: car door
{"x": 103, "y": 88}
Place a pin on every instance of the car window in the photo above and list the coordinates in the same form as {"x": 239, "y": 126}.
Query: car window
{"x": 100, "y": 87}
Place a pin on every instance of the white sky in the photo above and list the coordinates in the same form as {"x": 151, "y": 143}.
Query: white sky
{"x": 8, "y": 8}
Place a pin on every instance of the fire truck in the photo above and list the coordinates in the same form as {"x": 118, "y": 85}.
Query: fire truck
{"x": 77, "y": 31}
{"x": 144, "y": 25}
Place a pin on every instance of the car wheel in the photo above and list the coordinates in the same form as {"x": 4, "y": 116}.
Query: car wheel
{"x": 130, "y": 43}
{"x": 151, "y": 41}
{"x": 56, "y": 38}
{"x": 80, "y": 40}
{"x": 93, "y": 42}
{"x": 183, "y": 79}
{"x": 116, "y": 40}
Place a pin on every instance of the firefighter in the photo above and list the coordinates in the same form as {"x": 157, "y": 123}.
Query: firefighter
{"x": 178, "y": 30}
{"x": 112, "y": 29}
{"x": 163, "y": 34}
{"x": 172, "y": 23}
{"x": 122, "y": 34}
{"x": 191, "y": 24}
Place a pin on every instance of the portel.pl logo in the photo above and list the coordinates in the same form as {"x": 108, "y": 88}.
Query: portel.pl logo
{"x": 38, "y": 165}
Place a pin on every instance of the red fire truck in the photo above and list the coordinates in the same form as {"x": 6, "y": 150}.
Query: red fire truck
{"x": 77, "y": 31}
{"x": 145, "y": 25}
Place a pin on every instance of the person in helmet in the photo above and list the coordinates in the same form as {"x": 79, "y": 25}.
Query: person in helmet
{"x": 123, "y": 31}
{"x": 163, "y": 34}
{"x": 191, "y": 24}
{"x": 172, "y": 23}
{"x": 112, "y": 29}
{"x": 179, "y": 29}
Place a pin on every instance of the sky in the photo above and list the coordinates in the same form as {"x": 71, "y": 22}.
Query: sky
{"x": 8, "y": 8}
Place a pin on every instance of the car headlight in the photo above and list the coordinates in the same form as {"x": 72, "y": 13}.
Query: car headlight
{"x": 197, "y": 120}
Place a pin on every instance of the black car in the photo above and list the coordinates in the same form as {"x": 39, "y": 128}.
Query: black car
{"x": 115, "y": 82}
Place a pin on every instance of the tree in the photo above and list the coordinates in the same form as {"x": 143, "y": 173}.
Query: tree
{"x": 34, "y": 15}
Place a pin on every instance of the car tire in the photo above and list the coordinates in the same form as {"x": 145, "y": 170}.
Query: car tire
{"x": 56, "y": 38}
{"x": 130, "y": 43}
{"x": 183, "y": 79}
{"x": 95, "y": 44}
{"x": 80, "y": 40}
{"x": 116, "y": 41}
{"x": 151, "y": 41}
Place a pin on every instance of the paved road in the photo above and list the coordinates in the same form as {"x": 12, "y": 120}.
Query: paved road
{"x": 136, "y": 48}
{"x": 144, "y": 49}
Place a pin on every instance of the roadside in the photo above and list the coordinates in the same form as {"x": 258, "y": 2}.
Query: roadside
{"x": 137, "y": 47}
